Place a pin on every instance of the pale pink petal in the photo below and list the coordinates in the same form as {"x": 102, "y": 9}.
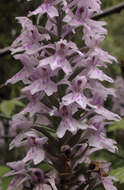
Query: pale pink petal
{"x": 52, "y": 12}
{"x": 35, "y": 154}
{"x": 82, "y": 101}
{"x": 107, "y": 114}
{"x": 65, "y": 65}
{"x": 46, "y": 61}
{"x": 61, "y": 130}
{"x": 68, "y": 99}
{"x": 95, "y": 73}
{"x": 108, "y": 184}
{"x": 39, "y": 10}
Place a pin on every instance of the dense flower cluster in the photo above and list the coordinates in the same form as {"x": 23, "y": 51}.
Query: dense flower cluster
{"x": 63, "y": 123}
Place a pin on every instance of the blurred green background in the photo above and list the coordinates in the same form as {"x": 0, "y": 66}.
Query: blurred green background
{"x": 9, "y": 29}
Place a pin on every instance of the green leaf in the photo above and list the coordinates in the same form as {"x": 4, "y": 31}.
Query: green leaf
{"x": 18, "y": 103}
{"x": 4, "y": 170}
{"x": 51, "y": 131}
{"x": 45, "y": 166}
{"x": 7, "y": 106}
{"x": 4, "y": 181}
{"x": 118, "y": 173}
{"x": 117, "y": 125}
